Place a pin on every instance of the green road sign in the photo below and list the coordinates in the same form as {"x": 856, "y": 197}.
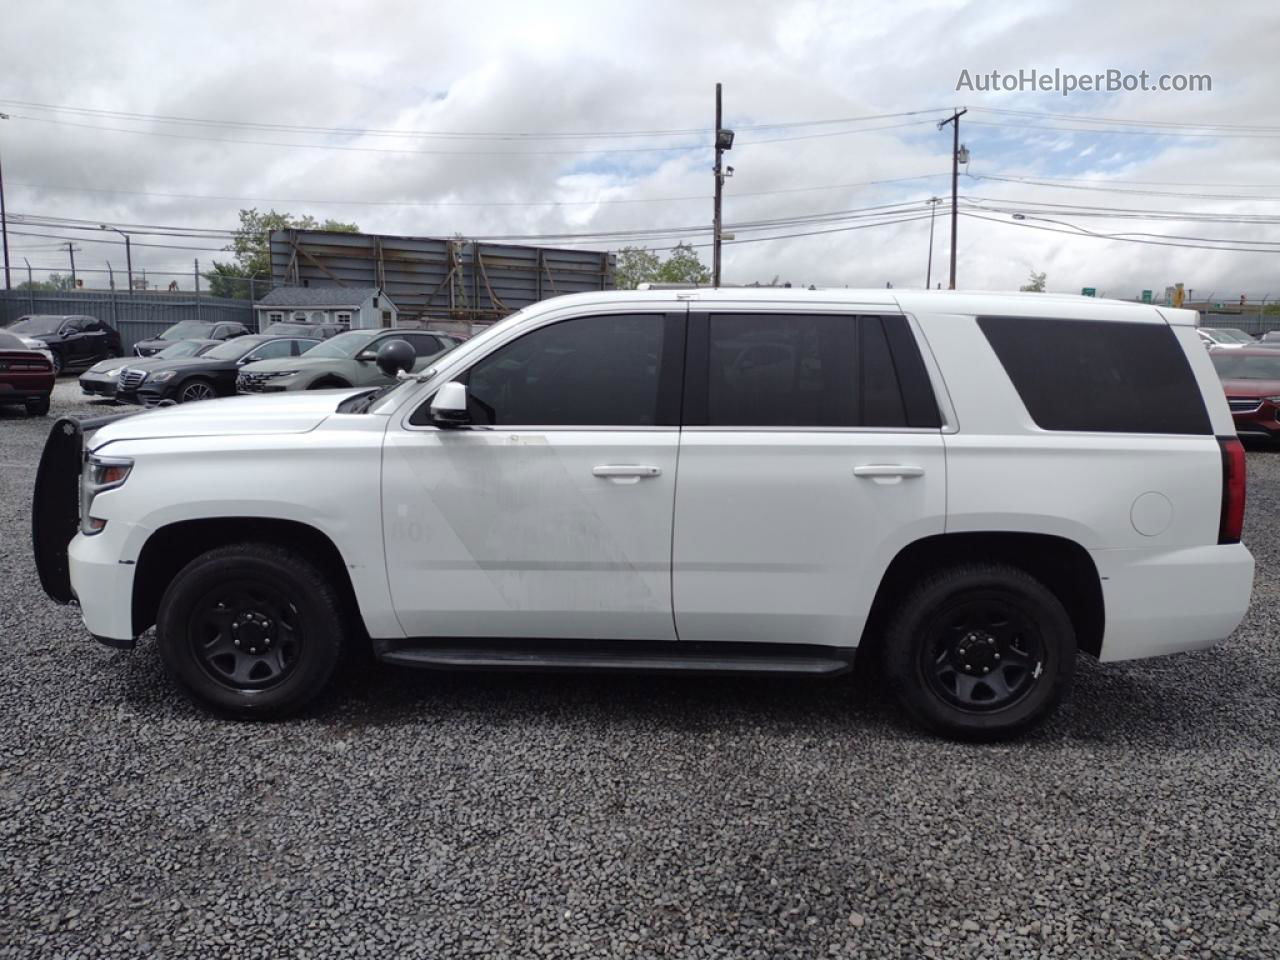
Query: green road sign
{"x": 1089, "y": 292}
{"x": 1146, "y": 296}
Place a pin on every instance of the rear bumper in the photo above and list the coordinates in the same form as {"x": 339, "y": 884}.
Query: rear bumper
{"x": 22, "y": 387}
{"x": 1169, "y": 601}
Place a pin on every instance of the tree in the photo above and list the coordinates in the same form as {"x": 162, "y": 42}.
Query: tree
{"x": 1034, "y": 284}
{"x": 637, "y": 265}
{"x": 56, "y": 281}
{"x": 251, "y": 244}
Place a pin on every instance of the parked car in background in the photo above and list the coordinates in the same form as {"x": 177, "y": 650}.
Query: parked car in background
{"x": 296, "y": 328}
{"x": 1251, "y": 379}
{"x": 73, "y": 341}
{"x": 1236, "y": 334}
{"x": 1223, "y": 337}
{"x": 26, "y": 374}
{"x": 973, "y": 486}
{"x": 191, "y": 330}
{"x": 347, "y": 360}
{"x": 100, "y": 379}
{"x": 211, "y": 374}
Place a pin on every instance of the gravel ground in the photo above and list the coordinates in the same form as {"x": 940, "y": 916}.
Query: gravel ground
{"x": 425, "y": 815}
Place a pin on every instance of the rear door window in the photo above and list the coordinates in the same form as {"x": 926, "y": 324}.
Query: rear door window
{"x": 1099, "y": 376}
{"x": 800, "y": 370}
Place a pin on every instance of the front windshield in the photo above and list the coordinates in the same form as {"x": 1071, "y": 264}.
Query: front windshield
{"x": 37, "y": 325}
{"x": 1237, "y": 336}
{"x": 344, "y": 346}
{"x": 185, "y": 330}
{"x": 1234, "y": 366}
{"x": 185, "y": 348}
{"x": 233, "y": 349}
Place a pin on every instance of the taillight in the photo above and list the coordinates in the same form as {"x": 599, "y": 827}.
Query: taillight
{"x": 1233, "y": 479}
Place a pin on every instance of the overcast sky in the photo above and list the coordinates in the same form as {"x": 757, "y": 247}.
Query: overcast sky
{"x": 606, "y": 68}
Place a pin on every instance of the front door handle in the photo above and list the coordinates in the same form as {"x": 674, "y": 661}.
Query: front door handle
{"x": 626, "y": 472}
{"x": 889, "y": 471}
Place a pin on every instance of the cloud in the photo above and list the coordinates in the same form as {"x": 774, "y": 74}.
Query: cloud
{"x": 520, "y": 67}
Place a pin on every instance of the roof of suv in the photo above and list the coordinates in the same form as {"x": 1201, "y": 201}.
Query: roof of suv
{"x": 960, "y": 302}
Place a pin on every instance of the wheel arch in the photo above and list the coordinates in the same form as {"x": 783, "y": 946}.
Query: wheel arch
{"x": 1062, "y": 565}
{"x": 171, "y": 547}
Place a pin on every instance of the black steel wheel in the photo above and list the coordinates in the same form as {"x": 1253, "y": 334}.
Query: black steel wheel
{"x": 251, "y": 630}
{"x": 980, "y": 652}
{"x": 983, "y": 653}
{"x": 247, "y": 636}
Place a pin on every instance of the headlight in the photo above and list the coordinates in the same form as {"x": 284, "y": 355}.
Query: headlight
{"x": 1275, "y": 400}
{"x": 100, "y": 474}
{"x": 162, "y": 376}
{"x": 113, "y": 372}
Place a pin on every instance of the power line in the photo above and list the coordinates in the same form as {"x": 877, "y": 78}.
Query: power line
{"x": 1141, "y": 133}
{"x": 1081, "y": 117}
{"x": 444, "y": 134}
{"x": 1081, "y": 232}
{"x": 446, "y": 153}
{"x": 470, "y": 203}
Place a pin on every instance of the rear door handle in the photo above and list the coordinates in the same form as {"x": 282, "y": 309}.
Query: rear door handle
{"x": 626, "y": 472}
{"x": 888, "y": 470}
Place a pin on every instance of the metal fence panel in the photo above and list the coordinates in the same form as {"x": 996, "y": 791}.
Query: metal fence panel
{"x": 137, "y": 316}
{"x": 461, "y": 281}
{"x": 1254, "y": 321}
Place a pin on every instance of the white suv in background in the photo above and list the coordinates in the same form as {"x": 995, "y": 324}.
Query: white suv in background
{"x": 977, "y": 487}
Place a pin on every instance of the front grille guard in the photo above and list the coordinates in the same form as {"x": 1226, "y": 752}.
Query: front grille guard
{"x": 55, "y": 502}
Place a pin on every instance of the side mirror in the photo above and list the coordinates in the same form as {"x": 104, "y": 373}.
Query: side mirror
{"x": 393, "y": 357}
{"x": 449, "y": 406}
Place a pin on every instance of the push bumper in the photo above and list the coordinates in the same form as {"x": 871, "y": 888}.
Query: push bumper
{"x": 1169, "y": 601}
{"x": 73, "y": 567}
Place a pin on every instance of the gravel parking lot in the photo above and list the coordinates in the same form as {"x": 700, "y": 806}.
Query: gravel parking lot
{"x": 426, "y": 815}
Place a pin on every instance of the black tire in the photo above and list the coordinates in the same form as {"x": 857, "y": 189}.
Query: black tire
{"x": 38, "y": 407}
{"x": 329, "y": 383}
{"x": 982, "y": 651}
{"x": 214, "y": 644}
{"x": 195, "y": 390}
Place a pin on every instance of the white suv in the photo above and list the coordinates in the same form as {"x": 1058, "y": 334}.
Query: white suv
{"x": 974, "y": 486}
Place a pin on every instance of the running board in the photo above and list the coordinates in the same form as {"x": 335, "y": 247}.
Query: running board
{"x": 599, "y": 658}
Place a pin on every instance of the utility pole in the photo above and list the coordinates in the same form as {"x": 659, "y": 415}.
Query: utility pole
{"x": 111, "y": 274}
{"x": 954, "y": 120}
{"x": 724, "y": 141}
{"x": 933, "y": 215}
{"x": 197, "y": 277}
{"x": 4, "y": 222}
{"x": 71, "y": 250}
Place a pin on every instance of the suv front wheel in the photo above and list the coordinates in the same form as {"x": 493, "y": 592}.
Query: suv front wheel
{"x": 251, "y": 630}
{"x": 981, "y": 651}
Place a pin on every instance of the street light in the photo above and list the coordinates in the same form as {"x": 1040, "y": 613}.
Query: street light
{"x": 128, "y": 253}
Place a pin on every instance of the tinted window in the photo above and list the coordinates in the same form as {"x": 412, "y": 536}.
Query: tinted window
{"x": 1099, "y": 376}
{"x": 590, "y": 371}
{"x": 423, "y": 345}
{"x": 272, "y": 350}
{"x": 814, "y": 370}
{"x": 1232, "y": 365}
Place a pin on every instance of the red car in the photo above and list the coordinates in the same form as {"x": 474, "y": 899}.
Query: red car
{"x": 1251, "y": 378}
{"x": 26, "y": 375}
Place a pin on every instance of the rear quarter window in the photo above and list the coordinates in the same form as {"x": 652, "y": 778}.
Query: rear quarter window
{"x": 1099, "y": 376}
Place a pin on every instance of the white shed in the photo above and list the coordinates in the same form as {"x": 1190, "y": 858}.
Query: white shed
{"x": 360, "y": 308}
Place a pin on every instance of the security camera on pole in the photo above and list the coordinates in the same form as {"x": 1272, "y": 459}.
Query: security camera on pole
{"x": 724, "y": 141}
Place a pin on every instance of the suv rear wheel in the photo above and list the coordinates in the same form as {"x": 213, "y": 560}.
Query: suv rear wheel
{"x": 251, "y": 630}
{"x": 982, "y": 651}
